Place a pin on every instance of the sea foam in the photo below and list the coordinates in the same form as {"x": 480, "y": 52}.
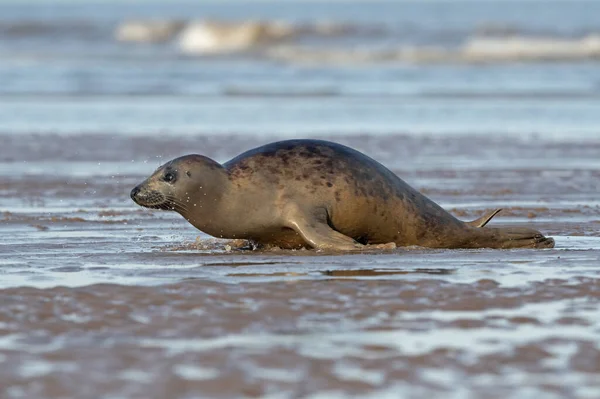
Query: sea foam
{"x": 475, "y": 49}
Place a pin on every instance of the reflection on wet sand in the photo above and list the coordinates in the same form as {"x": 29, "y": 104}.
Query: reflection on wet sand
{"x": 344, "y": 335}
{"x": 369, "y": 272}
{"x": 275, "y": 274}
{"x": 335, "y": 273}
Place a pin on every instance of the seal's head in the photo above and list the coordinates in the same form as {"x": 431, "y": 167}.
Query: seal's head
{"x": 185, "y": 183}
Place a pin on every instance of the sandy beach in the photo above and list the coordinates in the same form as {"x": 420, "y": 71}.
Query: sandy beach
{"x": 138, "y": 303}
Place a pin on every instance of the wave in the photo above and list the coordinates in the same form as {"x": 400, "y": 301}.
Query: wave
{"x": 148, "y": 31}
{"x": 324, "y": 41}
{"x": 213, "y": 36}
{"x": 217, "y": 37}
{"x": 531, "y": 49}
{"x": 204, "y": 37}
{"x": 473, "y": 50}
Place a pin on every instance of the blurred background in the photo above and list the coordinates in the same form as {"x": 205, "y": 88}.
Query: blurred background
{"x": 301, "y": 68}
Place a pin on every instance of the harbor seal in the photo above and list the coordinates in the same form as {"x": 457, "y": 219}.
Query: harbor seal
{"x": 319, "y": 194}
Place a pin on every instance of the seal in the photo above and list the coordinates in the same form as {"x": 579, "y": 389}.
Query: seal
{"x": 319, "y": 194}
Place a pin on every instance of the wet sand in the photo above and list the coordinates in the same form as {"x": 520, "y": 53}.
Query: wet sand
{"x": 101, "y": 298}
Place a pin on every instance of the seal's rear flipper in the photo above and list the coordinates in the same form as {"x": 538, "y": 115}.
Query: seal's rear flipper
{"x": 482, "y": 221}
{"x": 512, "y": 237}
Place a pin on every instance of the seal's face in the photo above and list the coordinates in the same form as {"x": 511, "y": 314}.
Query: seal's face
{"x": 159, "y": 191}
{"x": 184, "y": 185}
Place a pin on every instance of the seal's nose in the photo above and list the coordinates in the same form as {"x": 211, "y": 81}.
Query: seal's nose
{"x": 135, "y": 192}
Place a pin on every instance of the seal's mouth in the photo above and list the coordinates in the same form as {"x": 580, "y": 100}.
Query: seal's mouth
{"x": 150, "y": 199}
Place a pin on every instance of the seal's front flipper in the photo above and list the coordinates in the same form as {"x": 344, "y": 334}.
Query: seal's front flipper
{"x": 313, "y": 228}
{"x": 482, "y": 221}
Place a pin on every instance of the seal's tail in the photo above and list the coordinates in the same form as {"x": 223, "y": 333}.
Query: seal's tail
{"x": 513, "y": 237}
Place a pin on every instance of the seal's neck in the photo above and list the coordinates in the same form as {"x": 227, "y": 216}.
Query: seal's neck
{"x": 205, "y": 200}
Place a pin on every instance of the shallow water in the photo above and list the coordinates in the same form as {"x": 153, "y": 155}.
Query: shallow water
{"x": 396, "y": 66}
{"x": 137, "y": 303}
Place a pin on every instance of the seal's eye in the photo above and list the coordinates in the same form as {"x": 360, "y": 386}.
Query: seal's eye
{"x": 169, "y": 177}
